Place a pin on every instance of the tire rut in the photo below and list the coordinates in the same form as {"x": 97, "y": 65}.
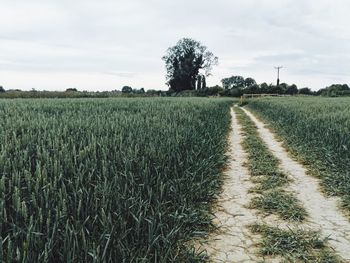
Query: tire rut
{"x": 234, "y": 242}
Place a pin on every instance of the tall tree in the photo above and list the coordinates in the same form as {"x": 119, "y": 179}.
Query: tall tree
{"x": 184, "y": 61}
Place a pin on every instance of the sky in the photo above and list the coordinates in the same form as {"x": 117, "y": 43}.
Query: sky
{"x": 103, "y": 45}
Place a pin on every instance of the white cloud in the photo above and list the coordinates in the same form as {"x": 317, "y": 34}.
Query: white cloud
{"x": 103, "y": 45}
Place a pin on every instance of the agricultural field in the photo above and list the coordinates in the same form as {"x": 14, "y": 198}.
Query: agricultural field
{"x": 109, "y": 180}
{"x": 317, "y": 130}
{"x": 174, "y": 180}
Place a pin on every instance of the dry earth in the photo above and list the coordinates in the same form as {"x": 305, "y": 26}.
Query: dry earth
{"x": 234, "y": 242}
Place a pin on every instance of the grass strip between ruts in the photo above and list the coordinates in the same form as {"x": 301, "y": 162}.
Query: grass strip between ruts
{"x": 294, "y": 245}
{"x": 271, "y": 197}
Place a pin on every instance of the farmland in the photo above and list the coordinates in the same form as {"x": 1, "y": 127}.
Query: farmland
{"x": 109, "y": 180}
{"x": 149, "y": 179}
{"x": 317, "y": 130}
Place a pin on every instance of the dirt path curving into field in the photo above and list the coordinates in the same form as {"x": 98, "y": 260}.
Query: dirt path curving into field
{"x": 324, "y": 214}
{"x": 234, "y": 242}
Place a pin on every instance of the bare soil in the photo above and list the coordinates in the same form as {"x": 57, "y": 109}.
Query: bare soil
{"x": 234, "y": 242}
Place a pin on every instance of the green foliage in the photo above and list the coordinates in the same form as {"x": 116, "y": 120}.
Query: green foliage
{"x": 335, "y": 90}
{"x": 109, "y": 180}
{"x": 126, "y": 89}
{"x": 305, "y": 91}
{"x": 235, "y": 92}
{"x": 188, "y": 93}
{"x": 2, "y": 89}
{"x": 294, "y": 245}
{"x": 71, "y": 90}
{"x": 138, "y": 91}
{"x": 248, "y": 82}
{"x": 236, "y": 82}
{"x": 292, "y": 89}
{"x": 236, "y": 86}
{"x": 184, "y": 61}
{"x": 210, "y": 91}
{"x": 13, "y": 94}
{"x": 74, "y": 93}
{"x": 233, "y": 82}
{"x": 153, "y": 92}
{"x": 281, "y": 203}
{"x": 318, "y": 131}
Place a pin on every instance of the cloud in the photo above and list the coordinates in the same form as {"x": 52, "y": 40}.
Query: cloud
{"x": 103, "y": 45}
{"x": 122, "y": 74}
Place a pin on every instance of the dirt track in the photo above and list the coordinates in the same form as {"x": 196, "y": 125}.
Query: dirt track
{"x": 234, "y": 242}
{"x": 324, "y": 214}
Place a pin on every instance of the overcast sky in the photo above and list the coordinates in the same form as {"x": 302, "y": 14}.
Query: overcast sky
{"x": 105, "y": 44}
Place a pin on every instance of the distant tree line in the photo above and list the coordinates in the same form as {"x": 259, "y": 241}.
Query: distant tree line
{"x": 125, "y": 91}
{"x": 130, "y": 90}
{"x": 335, "y": 90}
{"x": 234, "y": 86}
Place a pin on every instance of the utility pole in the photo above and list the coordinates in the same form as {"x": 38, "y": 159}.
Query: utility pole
{"x": 278, "y": 74}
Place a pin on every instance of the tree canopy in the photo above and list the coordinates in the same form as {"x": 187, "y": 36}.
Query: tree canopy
{"x": 71, "y": 90}
{"x": 237, "y": 85}
{"x": 305, "y": 91}
{"x": 184, "y": 61}
{"x": 126, "y": 89}
{"x": 237, "y": 82}
{"x": 335, "y": 90}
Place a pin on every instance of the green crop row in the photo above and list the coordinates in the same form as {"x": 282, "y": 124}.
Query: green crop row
{"x": 318, "y": 131}
{"x": 109, "y": 180}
